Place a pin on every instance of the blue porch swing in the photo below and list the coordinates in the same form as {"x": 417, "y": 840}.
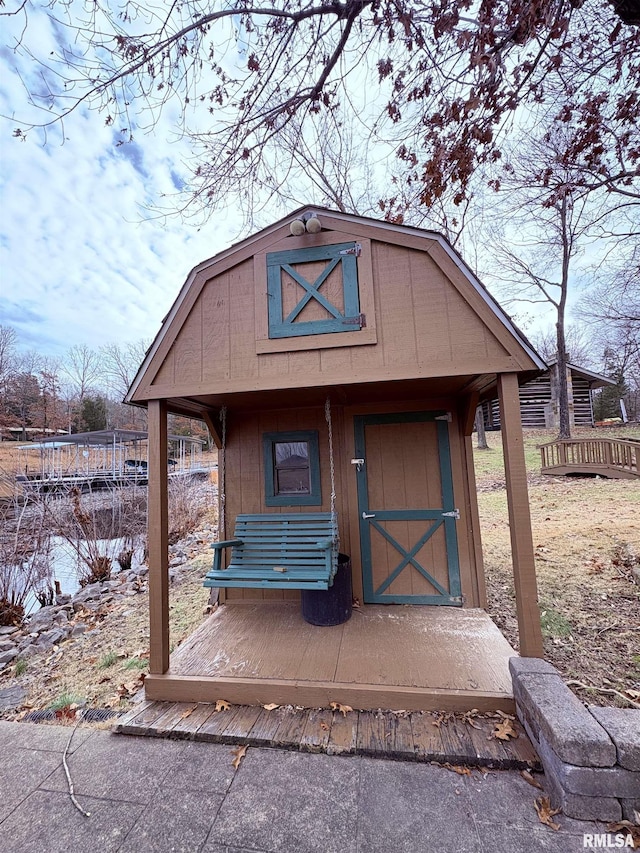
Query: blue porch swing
{"x": 278, "y": 550}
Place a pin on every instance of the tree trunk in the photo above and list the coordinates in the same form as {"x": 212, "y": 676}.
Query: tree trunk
{"x": 563, "y": 391}
{"x": 479, "y": 425}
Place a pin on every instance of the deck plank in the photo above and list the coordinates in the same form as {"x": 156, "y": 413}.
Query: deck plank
{"x": 142, "y": 722}
{"x": 187, "y": 726}
{"x": 410, "y": 737}
{"x": 428, "y": 744}
{"x": 264, "y": 730}
{"x": 344, "y": 734}
{"x": 402, "y": 744}
{"x": 215, "y": 724}
{"x": 291, "y": 729}
{"x": 241, "y": 723}
{"x": 370, "y": 738}
{"x": 317, "y": 731}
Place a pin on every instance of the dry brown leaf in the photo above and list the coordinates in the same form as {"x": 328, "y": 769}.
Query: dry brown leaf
{"x": 457, "y": 768}
{"x": 356, "y": 604}
{"x": 503, "y": 715}
{"x": 324, "y": 726}
{"x": 528, "y": 777}
{"x": 546, "y": 813}
{"x": 468, "y": 718}
{"x": 239, "y": 753}
{"x": 187, "y": 712}
{"x": 344, "y": 709}
{"x": 222, "y": 705}
{"x": 632, "y": 829}
{"x": 271, "y": 706}
{"x": 504, "y": 731}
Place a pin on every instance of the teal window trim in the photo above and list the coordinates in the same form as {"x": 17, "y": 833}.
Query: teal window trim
{"x": 286, "y": 327}
{"x": 314, "y": 496}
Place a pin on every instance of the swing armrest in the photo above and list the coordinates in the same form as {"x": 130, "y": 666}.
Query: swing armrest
{"x": 324, "y": 543}
{"x": 217, "y": 549}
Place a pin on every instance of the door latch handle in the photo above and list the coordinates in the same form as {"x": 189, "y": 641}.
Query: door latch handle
{"x": 358, "y": 463}
{"x": 368, "y": 515}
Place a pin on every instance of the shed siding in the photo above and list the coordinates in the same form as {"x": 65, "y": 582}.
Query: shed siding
{"x": 424, "y": 327}
{"x": 245, "y": 490}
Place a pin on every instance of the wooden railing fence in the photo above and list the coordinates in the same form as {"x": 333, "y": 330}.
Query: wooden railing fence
{"x": 609, "y": 457}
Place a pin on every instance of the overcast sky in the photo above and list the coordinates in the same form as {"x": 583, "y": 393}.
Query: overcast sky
{"x": 81, "y": 261}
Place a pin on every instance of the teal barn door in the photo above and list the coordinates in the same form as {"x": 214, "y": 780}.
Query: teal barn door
{"x": 406, "y": 509}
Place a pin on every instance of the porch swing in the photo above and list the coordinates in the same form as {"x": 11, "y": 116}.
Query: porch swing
{"x": 278, "y": 550}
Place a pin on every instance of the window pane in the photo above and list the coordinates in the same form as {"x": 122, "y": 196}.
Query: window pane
{"x": 293, "y": 481}
{"x": 292, "y": 467}
{"x": 292, "y": 454}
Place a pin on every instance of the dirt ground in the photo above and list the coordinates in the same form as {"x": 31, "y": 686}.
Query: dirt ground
{"x": 586, "y": 538}
{"x": 586, "y": 534}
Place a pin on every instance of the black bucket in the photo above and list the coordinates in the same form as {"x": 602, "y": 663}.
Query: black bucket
{"x": 330, "y": 606}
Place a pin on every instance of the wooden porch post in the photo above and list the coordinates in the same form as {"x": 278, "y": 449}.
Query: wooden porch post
{"x": 524, "y": 570}
{"x": 158, "y": 526}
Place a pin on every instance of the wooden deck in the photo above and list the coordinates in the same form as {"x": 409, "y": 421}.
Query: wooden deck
{"x": 390, "y": 657}
{"x": 418, "y": 736}
{"x": 606, "y": 457}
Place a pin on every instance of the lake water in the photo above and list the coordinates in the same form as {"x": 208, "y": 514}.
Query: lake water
{"x": 67, "y": 568}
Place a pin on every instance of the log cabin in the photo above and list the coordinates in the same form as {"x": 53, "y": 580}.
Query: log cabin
{"x": 338, "y": 362}
{"x": 539, "y": 399}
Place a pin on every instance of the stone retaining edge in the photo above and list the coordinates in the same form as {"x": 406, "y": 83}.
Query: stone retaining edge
{"x": 590, "y": 755}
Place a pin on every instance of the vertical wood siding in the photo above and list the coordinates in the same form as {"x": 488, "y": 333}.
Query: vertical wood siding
{"x": 245, "y": 492}
{"x": 424, "y": 326}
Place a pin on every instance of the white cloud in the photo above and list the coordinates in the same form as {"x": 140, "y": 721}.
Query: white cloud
{"x": 81, "y": 259}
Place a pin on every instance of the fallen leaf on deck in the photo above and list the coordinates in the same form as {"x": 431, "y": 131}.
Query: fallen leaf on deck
{"x": 457, "y": 768}
{"x": 531, "y": 779}
{"x": 324, "y": 727}
{"x": 504, "y": 731}
{"x": 468, "y": 718}
{"x": 239, "y": 753}
{"x": 271, "y": 706}
{"x": 344, "y": 709}
{"x": 441, "y": 717}
{"x": 221, "y": 705}
{"x": 546, "y": 813}
{"x": 187, "y": 713}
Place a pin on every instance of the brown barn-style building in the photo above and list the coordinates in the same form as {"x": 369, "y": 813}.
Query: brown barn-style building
{"x": 344, "y": 356}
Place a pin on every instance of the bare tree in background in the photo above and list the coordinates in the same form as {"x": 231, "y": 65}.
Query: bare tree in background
{"x": 581, "y": 346}
{"x": 554, "y": 217}
{"x": 439, "y": 86}
{"x": 611, "y": 310}
{"x": 8, "y": 360}
{"x": 83, "y": 369}
{"x": 120, "y": 363}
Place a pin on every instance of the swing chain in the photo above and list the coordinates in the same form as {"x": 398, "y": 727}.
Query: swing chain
{"x": 221, "y": 474}
{"x": 332, "y": 471}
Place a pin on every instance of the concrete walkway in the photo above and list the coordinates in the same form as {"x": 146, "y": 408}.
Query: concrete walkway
{"x": 147, "y": 794}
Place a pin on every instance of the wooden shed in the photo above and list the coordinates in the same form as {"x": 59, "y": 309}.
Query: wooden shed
{"x": 338, "y": 362}
{"x": 539, "y": 399}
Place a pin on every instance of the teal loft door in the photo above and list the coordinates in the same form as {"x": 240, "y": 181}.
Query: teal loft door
{"x": 406, "y": 509}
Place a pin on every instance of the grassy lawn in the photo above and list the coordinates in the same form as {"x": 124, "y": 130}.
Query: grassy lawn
{"x": 586, "y": 536}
